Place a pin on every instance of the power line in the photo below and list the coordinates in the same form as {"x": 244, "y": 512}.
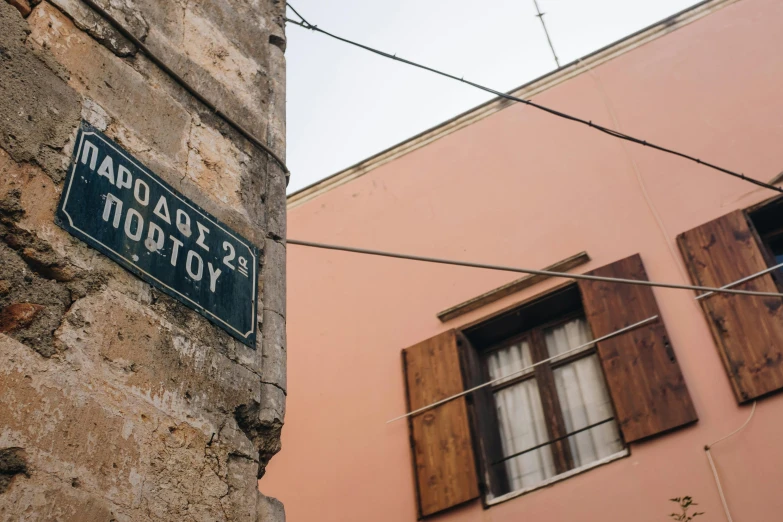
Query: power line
{"x": 540, "y": 16}
{"x": 297, "y": 14}
{"x": 581, "y": 347}
{"x": 553, "y": 441}
{"x": 190, "y": 89}
{"x": 547, "y": 273}
{"x": 526, "y": 368}
{"x": 307, "y": 25}
{"x": 743, "y": 280}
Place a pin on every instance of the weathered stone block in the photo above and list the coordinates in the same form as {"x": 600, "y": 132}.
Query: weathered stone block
{"x": 111, "y": 445}
{"x": 270, "y": 509}
{"x": 144, "y": 109}
{"x": 87, "y": 20}
{"x": 124, "y": 404}
{"x": 18, "y": 315}
{"x": 273, "y": 275}
{"x": 13, "y": 462}
{"x": 39, "y": 111}
{"x": 21, "y": 5}
{"x": 273, "y": 365}
{"x": 225, "y": 55}
{"x": 254, "y": 421}
{"x": 272, "y": 404}
{"x": 33, "y": 306}
{"x": 58, "y": 500}
{"x": 276, "y": 209}
{"x": 215, "y": 166}
{"x": 95, "y": 115}
{"x": 175, "y": 372}
{"x": 126, "y": 13}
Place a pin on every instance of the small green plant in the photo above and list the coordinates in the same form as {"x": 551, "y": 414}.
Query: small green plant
{"x": 685, "y": 504}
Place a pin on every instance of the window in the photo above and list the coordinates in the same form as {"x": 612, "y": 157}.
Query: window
{"x": 768, "y": 221}
{"x": 558, "y": 416}
{"x": 470, "y": 439}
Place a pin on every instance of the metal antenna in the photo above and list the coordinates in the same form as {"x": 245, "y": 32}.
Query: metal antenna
{"x": 540, "y": 16}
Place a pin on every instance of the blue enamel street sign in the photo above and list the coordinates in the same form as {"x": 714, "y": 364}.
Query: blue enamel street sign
{"x": 119, "y": 207}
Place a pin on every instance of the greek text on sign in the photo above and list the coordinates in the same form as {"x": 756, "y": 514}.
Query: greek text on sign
{"x": 116, "y": 205}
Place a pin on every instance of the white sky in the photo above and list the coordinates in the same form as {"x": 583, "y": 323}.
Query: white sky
{"x": 345, "y": 104}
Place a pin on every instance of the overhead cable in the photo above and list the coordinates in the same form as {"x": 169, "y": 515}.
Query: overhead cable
{"x": 540, "y": 16}
{"x": 526, "y": 368}
{"x": 548, "y": 273}
{"x": 743, "y": 280}
{"x": 307, "y": 25}
{"x": 726, "y": 289}
{"x": 302, "y": 18}
{"x": 190, "y": 89}
{"x": 553, "y": 441}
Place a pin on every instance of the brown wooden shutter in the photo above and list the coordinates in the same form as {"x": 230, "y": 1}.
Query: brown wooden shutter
{"x": 443, "y": 456}
{"x": 482, "y": 412}
{"x": 747, "y": 329}
{"x": 644, "y": 378}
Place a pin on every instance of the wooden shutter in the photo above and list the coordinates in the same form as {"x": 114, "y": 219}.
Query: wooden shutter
{"x": 748, "y": 330}
{"x": 483, "y": 415}
{"x": 442, "y": 448}
{"x": 644, "y": 378}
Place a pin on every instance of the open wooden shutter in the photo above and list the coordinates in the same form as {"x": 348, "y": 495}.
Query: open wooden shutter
{"x": 644, "y": 378}
{"x": 483, "y": 415}
{"x": 747, "y": 329}
{"x": 443, "y": 458}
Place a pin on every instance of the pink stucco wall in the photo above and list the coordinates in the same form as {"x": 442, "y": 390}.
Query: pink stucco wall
{"x": 523, "y": 188}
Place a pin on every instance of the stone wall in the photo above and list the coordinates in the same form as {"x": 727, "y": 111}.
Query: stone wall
{"x": 116, "y": 401}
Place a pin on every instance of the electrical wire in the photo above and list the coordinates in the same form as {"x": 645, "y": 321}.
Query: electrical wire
{"x": 297, "y": 14}
{"x": 307, "y": 25}
{"x": 190, "y": 89}
{"x": 720, "y": 488}
{"x": 635, "y": 167}
{"x": 730, "y": 435}
{"x": 540, "y": 16}
{"x": 525, "y": 369}
{"x": 726, "y": 289}
{"x": 743, "y": 280}
{"x": 707, "y": 449}
{"x": 548, "y": 273}
{"x": 553, "y": 441}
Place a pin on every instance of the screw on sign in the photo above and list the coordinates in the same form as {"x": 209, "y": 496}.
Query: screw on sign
{"x": 116, "y": 205}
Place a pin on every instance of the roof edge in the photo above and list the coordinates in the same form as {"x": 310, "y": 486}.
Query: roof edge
{"x": 527, "y": 90}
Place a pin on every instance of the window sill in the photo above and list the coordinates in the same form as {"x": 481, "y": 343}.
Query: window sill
{"x": 558, "y": 478}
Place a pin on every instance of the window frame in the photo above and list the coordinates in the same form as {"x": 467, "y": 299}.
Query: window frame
{"x": 536, "y": 339}
{"x": 759, "y": 217}
{"x": 558, "y": 437}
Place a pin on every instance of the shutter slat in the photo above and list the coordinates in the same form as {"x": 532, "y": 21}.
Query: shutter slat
{"x": 747, "y": 329}
{"x": 642, "y": 372}
{"x": 440, "y": 437}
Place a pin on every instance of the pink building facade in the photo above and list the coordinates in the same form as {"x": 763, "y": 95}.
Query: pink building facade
{"x": 506, "y": 184}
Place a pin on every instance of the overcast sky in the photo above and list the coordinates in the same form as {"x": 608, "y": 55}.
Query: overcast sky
{"x": 345, "y": 104}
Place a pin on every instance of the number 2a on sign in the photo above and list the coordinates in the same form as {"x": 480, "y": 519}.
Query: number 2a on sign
{"x": 230, "y": 257}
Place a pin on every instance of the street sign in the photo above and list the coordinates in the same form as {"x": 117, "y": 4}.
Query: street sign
{"x": 116, "y": 205}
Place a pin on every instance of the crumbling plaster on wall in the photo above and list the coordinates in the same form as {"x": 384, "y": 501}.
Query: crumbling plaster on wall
{"x": 158, "y": 414}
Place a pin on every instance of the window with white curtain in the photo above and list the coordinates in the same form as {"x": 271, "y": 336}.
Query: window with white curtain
{"x": 555, "y": 417}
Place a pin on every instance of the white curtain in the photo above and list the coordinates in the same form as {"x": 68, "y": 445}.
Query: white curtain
{"x": 521, "y": 419}
{"x": 583, "y": 396}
